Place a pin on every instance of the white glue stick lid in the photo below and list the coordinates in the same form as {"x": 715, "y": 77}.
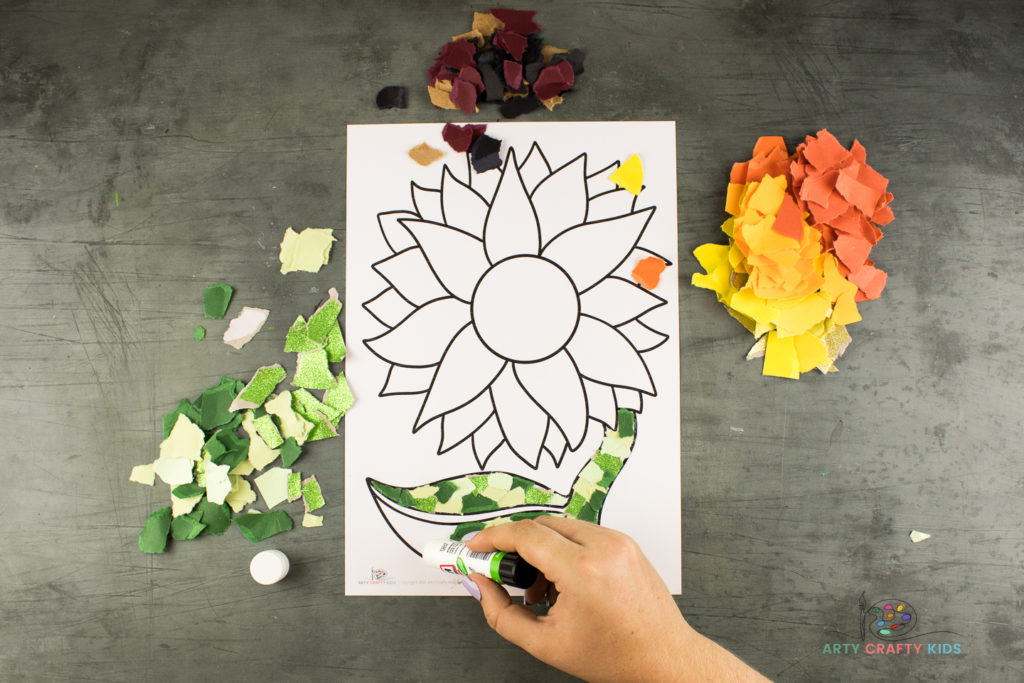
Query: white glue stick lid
{"x": 269, "y": 567}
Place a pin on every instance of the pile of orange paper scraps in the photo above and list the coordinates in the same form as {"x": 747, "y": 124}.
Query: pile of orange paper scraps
{"x": 800, "y": 233}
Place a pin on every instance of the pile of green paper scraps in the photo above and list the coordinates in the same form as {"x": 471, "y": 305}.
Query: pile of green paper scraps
{"x": 205, "y": 461}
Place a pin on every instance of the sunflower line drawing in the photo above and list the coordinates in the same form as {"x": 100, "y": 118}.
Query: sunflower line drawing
{"x": 502, "y": 307}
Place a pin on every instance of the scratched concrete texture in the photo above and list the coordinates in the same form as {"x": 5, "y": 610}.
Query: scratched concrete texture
{"x": 149, "y": 148}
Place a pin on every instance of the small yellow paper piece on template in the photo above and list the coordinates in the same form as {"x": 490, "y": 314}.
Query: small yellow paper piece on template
{"x": 424, "y": 155}
{"x": 308, "y": 250}
{"x": 630, "y": 175}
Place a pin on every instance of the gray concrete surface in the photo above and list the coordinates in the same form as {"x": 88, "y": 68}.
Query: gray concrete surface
{"x": 216, "y": 125}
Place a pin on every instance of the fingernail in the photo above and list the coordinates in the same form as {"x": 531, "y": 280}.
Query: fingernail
{"x": 471, "y": 588}
{"x": 469, "y": 535}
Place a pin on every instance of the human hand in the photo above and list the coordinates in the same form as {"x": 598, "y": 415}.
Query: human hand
{"x": 613, "y": 617}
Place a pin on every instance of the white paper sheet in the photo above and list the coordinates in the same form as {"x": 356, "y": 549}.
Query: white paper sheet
{"x": 492, "y": 317}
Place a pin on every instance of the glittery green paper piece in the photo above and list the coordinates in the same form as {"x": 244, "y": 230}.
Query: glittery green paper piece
{"x": 259, "y": 388}
{"x": 259, "y": 526}
{"x": 324, "y": 319}
{"x": 312, "y": 371}
{"x": 340, "y": 396}
{"x": 335, "y": 344}
{"x": 298, "y": 339}
{"x": 217, "y": 518}
{"x": 216, "y": 298}
{"x": 322, "y": 429}
{"x": 185, "y": 528}
{"x": 305, "y": 404}
{"x": 290, "y": 451}
{"x": 294, "y": 486}
{"x": 268, "y": 431}
{"x": 187, "y": 490}
{"x": 153, "y": 537}
{"x": 199, "y": 334}
{"x": 312, "y": 496}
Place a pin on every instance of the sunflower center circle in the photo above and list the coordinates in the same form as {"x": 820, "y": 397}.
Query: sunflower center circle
{"x": 525, "y": 308}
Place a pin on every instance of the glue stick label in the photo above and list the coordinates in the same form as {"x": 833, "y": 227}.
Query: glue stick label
{"x": 455, "y": 557}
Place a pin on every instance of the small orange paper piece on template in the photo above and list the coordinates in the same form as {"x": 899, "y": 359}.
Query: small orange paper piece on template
{"x": 647, "y": 272}
{"x": 630, "y": 175}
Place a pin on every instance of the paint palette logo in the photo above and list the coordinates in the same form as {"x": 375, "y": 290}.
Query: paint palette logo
{"x": 378, "y": 574}
{"x": 891, "y": 619}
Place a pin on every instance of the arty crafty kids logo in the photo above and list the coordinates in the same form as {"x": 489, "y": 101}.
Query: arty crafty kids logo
{"x": 378, "y": 577}
{"x": 892, "y": 623}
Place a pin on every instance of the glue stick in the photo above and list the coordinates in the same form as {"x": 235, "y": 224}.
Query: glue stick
{"x": 455, "y": 557}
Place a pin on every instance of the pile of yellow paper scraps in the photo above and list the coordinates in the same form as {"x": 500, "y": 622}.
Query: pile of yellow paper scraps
{"x": 800, "y": 232}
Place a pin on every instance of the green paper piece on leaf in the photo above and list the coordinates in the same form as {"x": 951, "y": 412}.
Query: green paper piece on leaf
{"x": 187, "y": 490}
{"x": 185, "y": 528}
{"x": 445, "y": 489}
{"x": 153, "y": 537}
{"x": 627, "y": 422}
{"x": 199, "y": 334}
{"x": 217, "y": 518}
{"x": 312, "y": 371}
{"x": 290, "y": 452}
{"x": 216, "y": 298}
{"x": 259, "y": 526}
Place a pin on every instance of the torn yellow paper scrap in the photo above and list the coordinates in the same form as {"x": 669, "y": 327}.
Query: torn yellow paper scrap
{"x": 184, "y": 442}
{"x": 810, "y": 351}
{"x": 845, "y": 310}
{"x": 440, "y": 98}
{"x": 143, "y": 474}
{"x": 311, "y": 520}
{"x": 486, "y": 23}
{"x": 308, "y": 250}
{"x": 173, "y": 471}
{"x": 799, "y": 318}
{"x": 241, "y": 494}
{"x": 260, "y": 454}
{"x": 291, "y": 423}
{"x": 630, "y": 175}
{"x": 424, "y": 155}
{"x": 780, "y": 358}
{"x": 273, "y": 485}
{"x": 243, "y": 468}
{"x": 183, "y": 506}
{"x": 553, "y": 102}
{"x": 218, "y": 484}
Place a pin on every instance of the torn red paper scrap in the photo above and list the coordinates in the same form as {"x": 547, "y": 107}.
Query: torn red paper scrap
{"x": 245, "y": 326}
{"x": 513, "y": 74}
{"x": 647, "y": 272}
{"x": 461, "y": 138}
{"x": 511, "y": 42}
{"x": 554, "y": 80}
{"x": 520, "y": 21}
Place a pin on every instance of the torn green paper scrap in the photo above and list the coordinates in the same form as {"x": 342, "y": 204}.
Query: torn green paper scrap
{"x": 217, "y": 518}
{"x": 257, "y": 527}
{"x": 199, "y": 334}
{"x": 268, "y": 431}
{"x": 307, "y": 251}
{"x": 298, "y": 339}
{"x": 312, "y": 371}
{"x": 216, "y": 298}
{"x": 290, "y": 452}
{"x": 324, "y": 318}
{"x": 214, "y": 404}
{"x": 335, "y": 344}
{"x": 340, "y": 396}
{"x": 185, "y": 528}
{"x": 260, "y": 387}
{"x": 312, "y": 497}
{"x": 153, "y": 537}
{"x": 310, "y": 408}
{"x": 187, "y": 490}
{"x": 260, "y": 454}
{"x": 294, "y": 486}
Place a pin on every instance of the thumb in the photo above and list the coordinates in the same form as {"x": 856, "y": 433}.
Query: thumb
{"x": 512, "y": 622}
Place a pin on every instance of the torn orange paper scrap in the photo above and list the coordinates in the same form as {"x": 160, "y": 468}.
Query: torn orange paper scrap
{"x": 441, "y": 98}
{"x": 801, "y": 229}
{"x": 630, "y": 175}
{"x": 424, "y": 155}
{"x": 647, "y": 272}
